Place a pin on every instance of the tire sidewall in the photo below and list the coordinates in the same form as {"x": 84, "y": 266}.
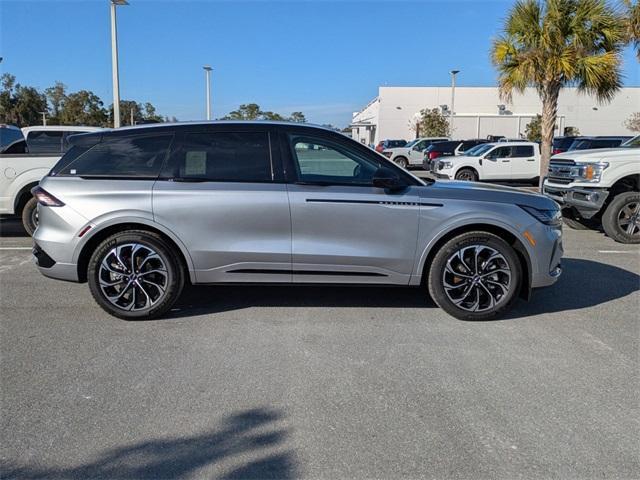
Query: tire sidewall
{"x": 175, "y": 274}
{"x": 474, "y": 176}
{"x": 436, "y": 287}
{"x": 27, "y": 216}
{"x": 402, "y": 162}
{"x": 610, "y": 218}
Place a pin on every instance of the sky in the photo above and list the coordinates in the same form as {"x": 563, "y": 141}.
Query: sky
{"x": 324, "y": 58}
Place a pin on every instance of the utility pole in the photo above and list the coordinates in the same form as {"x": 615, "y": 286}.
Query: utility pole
{"x": 207, "y": 72}
{"x": 44, "y": 118}
{"x": 114, "y": 62}
{"x": 453, "y": 99}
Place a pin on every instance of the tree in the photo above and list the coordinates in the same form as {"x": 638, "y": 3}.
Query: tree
{"x": 56, "y": 97}
{"x": 83, "y": 108}
{"x": 533, "y": 129}
{"x": 150, "y": 114}
{"x": 250, "y": 111}
{"x": 632, "y": 21}
{"x": 432, "y": 123}
{"x": 271, "y": 116}
{"x": 571, "y": 132}
{"x": 297, "y": 117}
{"x": 549, "y": 44}
{"x": 19, "y": 105}
{"x": 633, "y": 122}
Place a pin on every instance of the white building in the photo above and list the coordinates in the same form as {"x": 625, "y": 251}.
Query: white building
{"x": 479, "y": 112}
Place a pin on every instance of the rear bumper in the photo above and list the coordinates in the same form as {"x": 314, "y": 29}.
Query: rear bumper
{"x": 52, "y": 269}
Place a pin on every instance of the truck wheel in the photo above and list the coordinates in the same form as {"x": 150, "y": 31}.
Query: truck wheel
{"x": 475, "y": 276}
{"x": 621, "y": 219}
{"x": 467, "y": 174}
{"x": 30, "y": 216}
{"x": 401, "y": 161}
{"x": 135, "y": 275}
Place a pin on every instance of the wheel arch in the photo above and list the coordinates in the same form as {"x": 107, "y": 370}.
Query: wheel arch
{"x": 466, "y": 167}
{"x": 503, "y": 232}
{"x": 98, "y": 236}
{"x": 22, "y": 197}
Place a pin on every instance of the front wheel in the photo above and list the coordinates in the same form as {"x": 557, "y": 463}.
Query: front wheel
{"x": 30, "y": 216}
{"x": 403, "y": 162}
{"x": 135, "y": 275}
{"x": 621, "y": 219}
{"x": 467, "y": 175}
{"x": 475, "y": 276}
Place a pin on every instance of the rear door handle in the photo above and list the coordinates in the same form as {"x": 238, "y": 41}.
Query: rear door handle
{"x": 531, "y": 159}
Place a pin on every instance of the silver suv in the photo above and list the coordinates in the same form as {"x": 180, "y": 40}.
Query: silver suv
{"x": 139, "y": 212}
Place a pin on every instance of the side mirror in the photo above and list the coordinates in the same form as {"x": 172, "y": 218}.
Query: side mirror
{"x": 388, "y": 179}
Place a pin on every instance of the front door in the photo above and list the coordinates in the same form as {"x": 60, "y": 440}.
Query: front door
{"x": 344, "y": 230}
{"x": 221, "y": 197}
{"x": 496, "y": 164}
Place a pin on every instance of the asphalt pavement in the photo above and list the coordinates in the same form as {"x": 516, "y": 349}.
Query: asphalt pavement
{"x": 323, "y": 382}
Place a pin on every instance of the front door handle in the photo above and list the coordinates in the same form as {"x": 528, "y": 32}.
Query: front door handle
{"x": 506, "y": 161}
{"x": 531, "y": 159}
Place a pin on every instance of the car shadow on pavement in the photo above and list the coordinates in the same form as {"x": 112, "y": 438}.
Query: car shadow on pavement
{"x": 583, "y": 284}
{"x": 12, "y": 227}
{"x": 254, "y": 435}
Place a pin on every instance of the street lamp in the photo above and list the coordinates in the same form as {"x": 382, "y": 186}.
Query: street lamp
{"x": 453, "y": 98}
{"x": 114, "y": 62}
{"x": 207, "y": 73}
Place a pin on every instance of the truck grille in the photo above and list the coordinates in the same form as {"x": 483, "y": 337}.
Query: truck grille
{"x": 560, "y": 171}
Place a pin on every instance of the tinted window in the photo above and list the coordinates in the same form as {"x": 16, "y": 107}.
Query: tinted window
{"x": 19, "y": 146}
{"x": 501, "y": 152}
{"x": 9, "y": 136}
{"x": 321, "y": 161}
{"x": 44, "y": 141}
{"x": 223, "y": 156}
{"x": 467, "y": 145}
{"x": 523, "y": 151}
{"x": 65, "y": 141}
{"x": 605, "y": 143}
{"x": 134, "y": 156}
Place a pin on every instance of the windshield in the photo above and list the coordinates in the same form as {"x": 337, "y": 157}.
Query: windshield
{"x": 411, "y": 143}
{"x": 478, "y": 150}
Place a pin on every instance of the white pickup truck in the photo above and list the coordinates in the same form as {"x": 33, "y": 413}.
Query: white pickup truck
{"x": 411, "y": 155}
{"x": 26, "y": 156}
{"x": 599, "y": 186}
{"x": 492, "y": 161}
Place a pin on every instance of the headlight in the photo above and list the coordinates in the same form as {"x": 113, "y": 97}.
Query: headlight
{"x": 551, "y": 217}
{"x": 444, "y": 165}
{"x": 387, "y": 154}
{"x": 590, "y": 172}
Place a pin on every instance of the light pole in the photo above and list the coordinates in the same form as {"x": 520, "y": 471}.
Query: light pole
{"x": 114, "y": 62}
{"x": 44, "y": 118}
{"x": 453, "y": 98}
{"x": 207, "y": 73}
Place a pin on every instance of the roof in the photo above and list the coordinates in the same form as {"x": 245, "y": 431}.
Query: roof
{"x": 61, "y": 128}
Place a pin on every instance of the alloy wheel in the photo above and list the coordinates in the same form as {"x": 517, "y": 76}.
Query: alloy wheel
{"x": 133, "y": 277}
{"x": 476, "y": 278}
{"x": 629, "y": 218}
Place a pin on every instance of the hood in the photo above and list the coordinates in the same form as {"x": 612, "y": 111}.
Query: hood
{"x": 487, "y": 192}
{"x": 597, "y": 154}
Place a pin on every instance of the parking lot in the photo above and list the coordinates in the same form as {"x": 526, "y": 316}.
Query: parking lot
{"x": 323, "y": 382}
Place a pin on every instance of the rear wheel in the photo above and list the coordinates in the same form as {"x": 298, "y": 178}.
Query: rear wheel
{"x": 135, "y": 275}
{"x": 467, "y": 174}
{"x": 475, "y": 276}
{"x": 30, "y": 216}
{"x": 402, "y": 161}
{"x": 621, "y": 219}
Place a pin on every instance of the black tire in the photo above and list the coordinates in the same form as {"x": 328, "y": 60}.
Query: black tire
{"x": 167, "y": 261}
{"x": 621, "y": 219}
{"x": 509, "y": 275}
{"x": 29, "y": 216}
{"x": 402, "y": 162}
{"x": 467, "y": 175}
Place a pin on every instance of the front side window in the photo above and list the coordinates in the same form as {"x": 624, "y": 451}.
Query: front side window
{"x": 133, "y": 156}
{"x": 44, "y": 141}
{"x": 324, "y": 162}
{"x": 223, "y": 157}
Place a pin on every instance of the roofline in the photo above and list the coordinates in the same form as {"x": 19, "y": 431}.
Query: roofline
{"x": 216, "y": 122}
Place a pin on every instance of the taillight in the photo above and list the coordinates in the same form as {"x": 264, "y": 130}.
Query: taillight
{"x": 433, "y": 155}
{"x": 555, "y": 151}
{"x": 45, "y": 198}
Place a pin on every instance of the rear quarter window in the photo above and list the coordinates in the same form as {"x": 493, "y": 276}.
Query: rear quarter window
{"x": 45, "y": 141}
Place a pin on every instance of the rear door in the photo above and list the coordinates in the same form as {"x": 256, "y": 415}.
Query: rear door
{"x": 344, "y": 230}
{"x": 524, "y": 162}
{"x": 222, "y": 194}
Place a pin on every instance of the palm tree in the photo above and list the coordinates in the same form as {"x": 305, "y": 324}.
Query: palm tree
{"x": 550, "y": 44}
{"x": 633, "y": 24}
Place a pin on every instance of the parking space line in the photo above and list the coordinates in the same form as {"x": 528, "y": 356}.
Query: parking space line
{"x": 618, "y": 251}
{"x": 16, "y": 248}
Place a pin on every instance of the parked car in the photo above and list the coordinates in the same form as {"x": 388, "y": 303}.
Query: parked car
{"x": 137, "y": 211}
{"x": 386, "y": 144}
{"x": 492, "y": 161}
{"x": 25, "y": 160}
{"x": 599, "y": 187}
{"x": 411, "y": 154}
{"x": 562, "y": 144}
{"x": 448, "y": 148}
{"x": 591, "y": 143}
{"x": 9, "y": 135}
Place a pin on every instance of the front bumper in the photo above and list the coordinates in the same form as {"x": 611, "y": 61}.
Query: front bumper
{"x": 587, "y": 201}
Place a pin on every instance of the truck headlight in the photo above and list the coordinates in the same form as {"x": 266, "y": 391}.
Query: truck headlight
{"x": 444, "y": 165}
{"x": 588, "y": 172}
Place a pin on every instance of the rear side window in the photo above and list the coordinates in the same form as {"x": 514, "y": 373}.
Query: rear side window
{"x": 223, "y": 157}
{"x": 133, "y": 156}
{"x": 45, "y": 141}
{"x": 522, "y": 151}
